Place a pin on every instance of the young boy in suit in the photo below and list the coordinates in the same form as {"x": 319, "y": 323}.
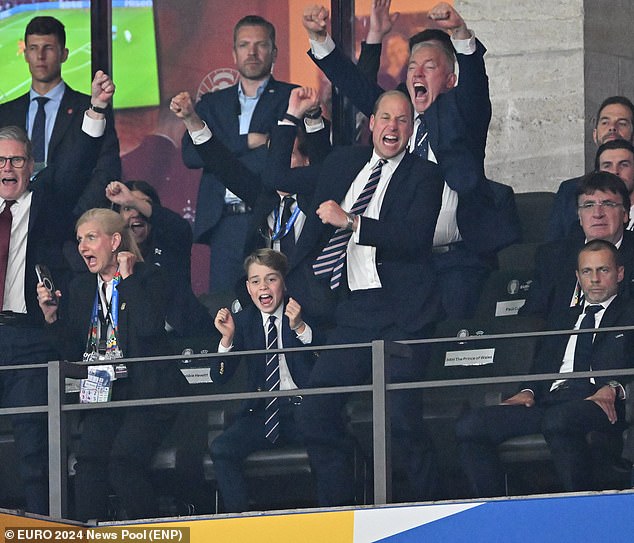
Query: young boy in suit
{"x": 272, "y": 322}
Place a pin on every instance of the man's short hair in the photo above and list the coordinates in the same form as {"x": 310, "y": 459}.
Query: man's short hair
{"x": 45, "y": 25}
{"x": 267, "y": 257}
{"x": 622, "y": 100}
{"x": 609, "y": 145}
{"x": 601, "y": 245}
{"x": 605, "y": 182}
{"x": 254, "y": 20}
{"x": 15, "y": 133}
{"x": 145, "y": 188}
{"x": 437, "y": 38}
{"x": 394, "y": 92}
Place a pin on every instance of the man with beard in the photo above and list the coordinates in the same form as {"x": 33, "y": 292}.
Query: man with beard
{"x": 165, "y": 240}
{"x": 242, "y": 117}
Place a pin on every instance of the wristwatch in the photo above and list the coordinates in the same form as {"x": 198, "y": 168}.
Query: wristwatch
{"x": 349, "y": 221}
{"x": 618, "y": 387}
{"x": 98, "y": 109}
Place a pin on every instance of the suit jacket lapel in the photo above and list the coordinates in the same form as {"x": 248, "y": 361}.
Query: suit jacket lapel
{"x": 394, "y": 187}
{"x": 266, "y": 101}
{"x": 67, "y": 110}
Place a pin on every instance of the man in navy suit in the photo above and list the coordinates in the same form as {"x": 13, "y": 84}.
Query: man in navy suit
{"x": 478, "y": 217}
{"x": 386, "y": 286}
{"x": 603, "y": 207}
{"x": 272, "y": 322}
{"x": 615, "y": 120}
{"x": 45, "y": 52}
{"x": 242, "y": 117}
{"x": 42, "y": 220}
{"x": 565, "y": 410}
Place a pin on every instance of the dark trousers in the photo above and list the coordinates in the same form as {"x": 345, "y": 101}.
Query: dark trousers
{"x": 244, "y": 436}
{"x": 227, "y": 242}
{"x": 114, "y": 454}
{"x": 461, "y": 275}
{"x": 564, "y": 422}
{"x": 362, "y": 318}
{"x": 20, "y": 388}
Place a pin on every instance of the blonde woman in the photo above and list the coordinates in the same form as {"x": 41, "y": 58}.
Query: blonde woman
{"x": 115, "y": 311}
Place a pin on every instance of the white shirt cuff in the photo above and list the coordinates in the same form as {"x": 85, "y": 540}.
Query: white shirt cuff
{"x": 321, "y": 49}
{"x": 200, "y": 136}
{"x": 316, "y": 127}
{"x": 466, "y": 46}
{"x": 223, "y": 349}
{"x": 306, "y": 337}
{"x": 93, "y": 127}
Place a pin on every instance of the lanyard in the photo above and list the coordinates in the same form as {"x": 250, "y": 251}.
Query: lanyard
{"x": 111, "y": 318}
{"x": 280, "y": 232}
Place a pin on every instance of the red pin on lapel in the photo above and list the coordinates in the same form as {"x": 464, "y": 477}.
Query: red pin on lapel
{"x": 69, "y": 111}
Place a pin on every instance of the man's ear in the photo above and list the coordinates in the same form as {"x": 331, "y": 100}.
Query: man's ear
{"x": 64, "y": 57}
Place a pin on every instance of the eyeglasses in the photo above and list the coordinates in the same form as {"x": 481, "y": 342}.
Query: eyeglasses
{"x": 587, "y": 206}
{"x": 16, "y": 161}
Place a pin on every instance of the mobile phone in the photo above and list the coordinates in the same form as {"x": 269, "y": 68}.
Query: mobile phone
{"x": 44, "y": 276}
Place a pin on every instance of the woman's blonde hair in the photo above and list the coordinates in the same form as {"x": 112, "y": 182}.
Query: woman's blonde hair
{"x": 111, "y": 223}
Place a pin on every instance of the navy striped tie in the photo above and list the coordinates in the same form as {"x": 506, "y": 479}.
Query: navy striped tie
{"x": 271, "y": 412}
{"x": 333, "y": 255}
{"x": 422, "y": 143}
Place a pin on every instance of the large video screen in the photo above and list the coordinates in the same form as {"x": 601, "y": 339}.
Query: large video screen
{"x": 133, "y": 48}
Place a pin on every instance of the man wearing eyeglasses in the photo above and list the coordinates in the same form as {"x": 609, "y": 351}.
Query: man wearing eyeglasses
{"x": 614, "y": 121}
{"x": 35, "y": 221}
{"x": 603, "y": 209}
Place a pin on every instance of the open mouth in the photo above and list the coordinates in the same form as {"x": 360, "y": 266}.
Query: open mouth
{"x": 137, "y": 225}
{"x": 390, "y": 139}
{"x": 265, "y": 299}
{"x": 7, "y": 180}
{"x": 420, "y": 91}
{"x": 90, "y": 260}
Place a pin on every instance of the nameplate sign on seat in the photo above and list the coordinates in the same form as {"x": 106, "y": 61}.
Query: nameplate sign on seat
{"x": 472, "y": 357}
{"x": 508, "y": 307}
{"x": 195, "y": 376}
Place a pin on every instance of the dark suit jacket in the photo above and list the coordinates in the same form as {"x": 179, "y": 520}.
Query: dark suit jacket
{"x": 610, "y": 350}
{"x": 51, "y": 221}
{"x": 555, "y": 279}
{"x": 457, "y": 123}
{"x": 563, "y": 215}
{"x": 402, "y": 235}
{"x": 250, "y": 336}
{"x": 63, "y": 144}
{"x": 169, "y": 248}
{"x": 142, "y": 307}
{"x": 220, "y": 111}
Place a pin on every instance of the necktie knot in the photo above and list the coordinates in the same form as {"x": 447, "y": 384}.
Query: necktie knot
{"x": 8, "y": 204}
{"x": 593, "y": 309}
{"x": 272, "y": 320}
{"x": 41, "y": 101}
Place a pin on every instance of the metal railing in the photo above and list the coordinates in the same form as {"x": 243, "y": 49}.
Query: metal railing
{"x": 381, "y": 352}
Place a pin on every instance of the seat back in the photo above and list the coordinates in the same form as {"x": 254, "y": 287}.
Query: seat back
{"x": 504, "y": 292}
{"x": 534, "y": 211}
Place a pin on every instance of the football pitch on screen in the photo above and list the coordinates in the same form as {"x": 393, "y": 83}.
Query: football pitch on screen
{"x": 133, "y": 50}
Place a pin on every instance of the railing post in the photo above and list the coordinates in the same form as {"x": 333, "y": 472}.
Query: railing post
{"x": 381, "y": 426}
{"x": 56, "y": 441}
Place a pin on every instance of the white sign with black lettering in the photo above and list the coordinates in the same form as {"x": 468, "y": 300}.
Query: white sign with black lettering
{"x": 472, "y": 357}
{"x": 508, "y": 308}
{"x": 197, "y": 375}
